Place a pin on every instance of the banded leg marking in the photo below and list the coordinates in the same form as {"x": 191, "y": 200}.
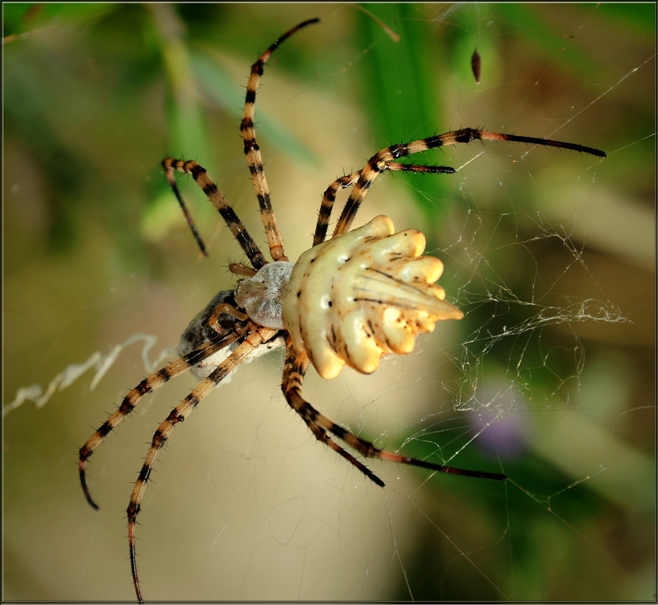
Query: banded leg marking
{"x": 377, "y": 163}
{"x": 255, "y": 336}
{"x": 231, "y": 219}
{"x": 294, "y": 369}
{"x": 148, "y": 385}
{"x": 252, "y": 151}
{"x": 346, "y": 181}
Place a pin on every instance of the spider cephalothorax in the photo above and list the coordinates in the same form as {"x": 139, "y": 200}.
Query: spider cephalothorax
{"x": 349, "y": 301}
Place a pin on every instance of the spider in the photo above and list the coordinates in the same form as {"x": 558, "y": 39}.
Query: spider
{"x": 347, "y": 301}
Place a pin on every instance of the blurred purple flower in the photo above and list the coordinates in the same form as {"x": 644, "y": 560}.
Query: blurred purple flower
{"x": 501, "y": 418}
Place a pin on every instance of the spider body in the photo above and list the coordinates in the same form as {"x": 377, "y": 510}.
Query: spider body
{"x": 261, "y": 296}
{"x": 363, "y": 295}
{"x": 200, "y": 332}
{"x": 349, "y": 301}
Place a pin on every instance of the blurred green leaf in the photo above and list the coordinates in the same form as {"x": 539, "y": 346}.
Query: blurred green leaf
{"x": 399, "y": 91}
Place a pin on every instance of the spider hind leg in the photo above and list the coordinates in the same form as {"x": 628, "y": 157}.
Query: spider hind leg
{"x": 378, "y": 162}
{"x": 293, "y": 374}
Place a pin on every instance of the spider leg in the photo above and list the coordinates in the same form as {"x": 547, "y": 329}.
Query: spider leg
{"x": 377, "y": 163}
{"x": 148, "y": 385}
{"x": 186, "y": 212}
{"x": 226, "y": 309}
{"x": 349, "y": 180}
{"x": 252, "y": 151}
{"x": 255, "y": 336}
{"x": 293, "y": 373}
{"x": 322, "y": 435}
{"x": 240, "y": 269}
{"x": 327, "y": 205}
{"x": 235, "y": 225}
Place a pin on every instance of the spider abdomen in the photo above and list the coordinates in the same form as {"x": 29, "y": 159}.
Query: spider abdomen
{"x": 363, "y": 295}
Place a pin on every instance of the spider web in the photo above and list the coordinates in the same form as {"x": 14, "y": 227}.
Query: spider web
{"x": 550, "y": 254}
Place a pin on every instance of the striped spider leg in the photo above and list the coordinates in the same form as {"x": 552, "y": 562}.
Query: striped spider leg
{"x": 153, "y": 382}
{"x": 384, "y": 161}
{"x": 253, "y": 337}
{"x": 294, "y": 369}
{"x": 351, "y": 300}
{"x": 220, "y": 337}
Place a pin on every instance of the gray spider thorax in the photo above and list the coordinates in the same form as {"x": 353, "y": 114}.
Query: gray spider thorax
{"x": 261, "y": 296}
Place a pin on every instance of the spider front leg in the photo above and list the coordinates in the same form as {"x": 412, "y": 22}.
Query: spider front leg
{"x": 255, "y": 336}
{"x": 293, "y": 375}
{"x": 148, "y": 385}
{"x": 252, "y": 150}
{"x": 255, "y": 162}
{"x": 226, "y": 211}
